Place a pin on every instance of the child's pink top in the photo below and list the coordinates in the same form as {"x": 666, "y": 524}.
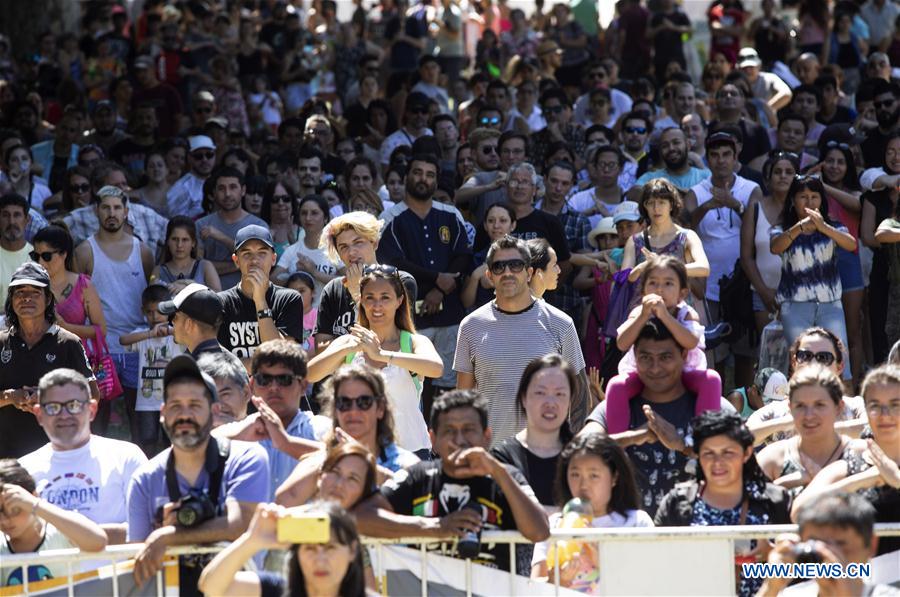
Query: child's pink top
{"x": 696, "y": 357}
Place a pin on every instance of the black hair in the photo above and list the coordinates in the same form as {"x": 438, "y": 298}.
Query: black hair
{"x": 154, "y": 293}
{"x": 14, "y": 200}
{"x": 790, "y": 115}
{"x": 60, "y": 239}
{"x": 12, "y": 320}
{"x": 620, "y": 157}
{"x": 226, "y": 172}
{"x": 836, "y": 344}
{"x": 549, "y": 361}
{"x": 384, "y": 106}
{"x": 789, "y": 215}
{"x": 459, "y": 399}
{"x": 308, "y": 152}
{"x": 504, "y": 206}
{"x": 442, "y": 118}
{"x": 720, "y": 422}
{"x": 810, "y": 89}
{"x": 823, "y": 81}
{"x": 427, "y": 145}
{"x": 554, "y": 92}
{"x": 776, "y": 156}
{"x": 655, "y": 330}
{"x": 624, "y": 494}
{"x": 13, "y": 473}
{"x": 265, "y": 210}
{"x": 639, "y": 115}
{"x": 850, "y": 180}
{"x": 564, "y": 165}
{"x": 509, "y": 136}
{"x": 540, "y": 252}
{"x": 303, "y": 277}
{"x": 319, "y": 200}
{"x": 595, "y": 128}
{"x": 842, "y": 510}
{"x": 428, "y": 158}
{"x": 176, "y": 222}
{"x": 243, "y": 156}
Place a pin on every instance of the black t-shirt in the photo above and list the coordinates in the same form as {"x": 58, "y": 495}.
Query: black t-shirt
{"x": 337, "y": 311}
{"x": 21, "y": 366}
{"x": 539, "y": 472}
{"x": 843, "y": 114}
{"x": 540, "y": 224}
{"x": 668, "y": 43}
{"x": 239, "y": 332}
{"x": 425, "y": 490}
{"x": 873, "y": 148}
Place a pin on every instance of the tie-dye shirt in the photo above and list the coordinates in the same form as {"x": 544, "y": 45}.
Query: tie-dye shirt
{"x": 809, "y": 268}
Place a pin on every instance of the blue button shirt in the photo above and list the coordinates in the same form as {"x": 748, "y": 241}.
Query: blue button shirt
{"x": 304, "y": 425}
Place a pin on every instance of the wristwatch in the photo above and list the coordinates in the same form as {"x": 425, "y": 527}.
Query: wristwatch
{"x": 264, "y": 314}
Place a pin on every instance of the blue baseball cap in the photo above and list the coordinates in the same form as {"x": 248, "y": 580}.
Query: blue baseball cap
{"x": 253, "y": 232}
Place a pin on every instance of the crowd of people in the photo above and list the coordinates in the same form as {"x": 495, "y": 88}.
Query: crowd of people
{"x": 442, "y": 268}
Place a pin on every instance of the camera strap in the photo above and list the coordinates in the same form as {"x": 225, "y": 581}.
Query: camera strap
{"x": 217, "y": 451}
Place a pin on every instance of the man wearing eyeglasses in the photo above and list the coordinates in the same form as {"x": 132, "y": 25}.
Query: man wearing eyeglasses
{"x": 415, "y": 125}
{"x": 186, "y": 195}
{"x": 498, "y": 340}
{"x": 77, "y": 470}
{"x": 557, "y": 112}
{"x": 30, "y": 347}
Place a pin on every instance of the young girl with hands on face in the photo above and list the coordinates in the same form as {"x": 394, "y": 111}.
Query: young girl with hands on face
{"x": 664, "y": 286}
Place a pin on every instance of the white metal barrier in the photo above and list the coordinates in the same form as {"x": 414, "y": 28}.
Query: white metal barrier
{"x": 636, "y": 561}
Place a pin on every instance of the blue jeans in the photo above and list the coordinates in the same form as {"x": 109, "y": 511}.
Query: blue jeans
{"x": 797, "y": 317}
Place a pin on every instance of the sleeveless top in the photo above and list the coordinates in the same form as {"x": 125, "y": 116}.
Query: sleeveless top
{"x": 197, "y": 274}
{"x": 119, "y": 284}
{"x": 675, "y": 247}
{"x": 72, "y": 308}
{"x": 768, "y": 264}
{"x": 792, "y": 462}
{"x": 720, "y": 231}
{"x": 885, "y": 499}
{"x": 404, "y": 394}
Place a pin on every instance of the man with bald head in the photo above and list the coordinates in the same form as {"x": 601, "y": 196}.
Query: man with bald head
{"x": 807, "y": 68}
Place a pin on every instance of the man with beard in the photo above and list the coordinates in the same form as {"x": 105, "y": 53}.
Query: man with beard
{"x": 233, "y": 476}
{"x": 217, "y": 230}
{"x": 636, "y": 129}
{"x": 486, "y": 186}
{"x": 673, "y": 147}
{"x": 730, "y": 101}
{"x": 790, "y": 136}
{"x": 255, "y": 310}
{"x": 498, "y": 340}
{"x": 132, "y": 152}
{"x": 887, "y": 113}
{"x": 15, "y": 251}
{"x": 447, "y": 134}
{"x": 428, "y": 239}
{"x": 557, "y": 112}
{"x": 105, "y": 133}
{"x": 186, "y": 195}
{"x": 310, "y": 163}
{"x": 31, "y": 346}
{"x": 119, "y": 265}
{"x": 415, "y": 121}
{"x": 77, "y": 470}
{"x": 350, "y": 239}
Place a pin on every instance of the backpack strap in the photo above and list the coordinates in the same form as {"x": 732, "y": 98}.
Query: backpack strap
{"x": 406, "y": 346}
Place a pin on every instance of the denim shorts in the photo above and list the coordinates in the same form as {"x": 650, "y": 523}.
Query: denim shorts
{"x": 850, "y": 268}
{"x": 127, "y": 368}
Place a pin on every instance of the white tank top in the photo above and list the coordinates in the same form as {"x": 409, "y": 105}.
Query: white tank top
{"x": 119, "y": 284}
{"x": 404, "y": 398}
{"x": 720, "y": 231}
{"x": 769, "y": 265}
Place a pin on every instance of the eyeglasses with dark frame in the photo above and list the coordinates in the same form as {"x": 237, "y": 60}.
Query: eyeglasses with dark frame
{"x": 73, "y": 407}
{"x": 513, "y": 265}
{"x": 43, "y": 255}
{"x": 824, "y": 357}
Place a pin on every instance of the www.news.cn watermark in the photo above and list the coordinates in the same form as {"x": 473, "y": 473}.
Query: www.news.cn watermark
{"x": 807, "y": 570}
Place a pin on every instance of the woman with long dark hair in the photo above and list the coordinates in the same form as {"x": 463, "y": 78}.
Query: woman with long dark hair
{"x": 730, "y": 487}
{"x": 330, "y": 568}
{"x": 809, "y": 291}
{"x": 18, "y": 163}
{"x": 279, "y": 212}
{"x": 544, "y": 396}
{"x": 180, "y": 265}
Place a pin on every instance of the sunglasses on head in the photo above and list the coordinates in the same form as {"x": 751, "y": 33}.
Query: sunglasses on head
{"x": 379, "y": 268}
{"x": 264, "y": 379}
{"x": 80, "y": 188}
{"x": 73, "y": 407}
{"x": 823, "y": 358}
{"x": 514, "y": 265}
{"x": 43, "y": 255}
{"x": 345, "y": 403}
{"x": 203, "y": 155}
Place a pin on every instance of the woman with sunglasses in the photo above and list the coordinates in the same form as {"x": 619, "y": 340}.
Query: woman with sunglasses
{"x": 761, "y": 266}
{"x": 77, "y": 302}
{"x": 278, "y": 212}
{"x": 814, "y": 347}
{"x": 807, "y": 239}
{"x": 385, "y": 338}
{"x": 872, "y": 466}
{"x": 76, "y": 192}
{"x": 814, "y": 396}
{"x": 839, "y": 177}
{"x": 180, "y": 265}
{"x": 306, "y": 255}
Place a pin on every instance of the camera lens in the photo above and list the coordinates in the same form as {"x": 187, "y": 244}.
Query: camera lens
{"x": 806, "y": 553}
{"x": 187, "y": 516}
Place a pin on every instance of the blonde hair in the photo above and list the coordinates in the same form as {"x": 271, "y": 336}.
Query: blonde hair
{"x": 363, "y": 223}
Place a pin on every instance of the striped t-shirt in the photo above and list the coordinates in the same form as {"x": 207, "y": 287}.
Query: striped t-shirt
{"x": 496, "y": 347}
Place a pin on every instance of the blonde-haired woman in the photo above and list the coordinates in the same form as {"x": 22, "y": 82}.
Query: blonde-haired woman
{"x": 351, "y": 240}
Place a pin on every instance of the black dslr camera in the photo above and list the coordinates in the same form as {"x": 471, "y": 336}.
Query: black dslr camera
{"x": 196, "y": 508}
{"x": 807, "y": 553}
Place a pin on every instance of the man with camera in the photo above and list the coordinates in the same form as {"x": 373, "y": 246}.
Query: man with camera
{"x": 462, "y": 492}
{"x": 835, "y": 529}
{"x": 202, "y": 489}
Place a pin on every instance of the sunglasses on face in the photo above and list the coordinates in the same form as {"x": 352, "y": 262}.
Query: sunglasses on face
{"x": 490, "y": 120}
{"x": 419, "y": 110}
{"x": 204, "y": 155}
{"x": 281, "y": 199}
{"x": 823, "y": 358}
{"x": 80, "y": 188}
{"x": 73, "y": 407}
{"x": 635, "y": 130}
{"x": 43, "y": 255}
{"x": 513, "y": 265}
{"x": 488, "y": 149}
{"x": 883, "y": 104}
{"x": 344, "y": 403}
{"x": 264, "y": 379}
{"x": 378, "y": 268}
{"x": 553, "y": 109}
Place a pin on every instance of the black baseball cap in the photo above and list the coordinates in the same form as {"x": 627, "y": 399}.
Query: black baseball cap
{"x": 184, "y": 366}
{"x": 30, "y": 274}
{"x": 253, "y": 232}
{"x": 721, "y": 138}
{"x": 197, "y": 302}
